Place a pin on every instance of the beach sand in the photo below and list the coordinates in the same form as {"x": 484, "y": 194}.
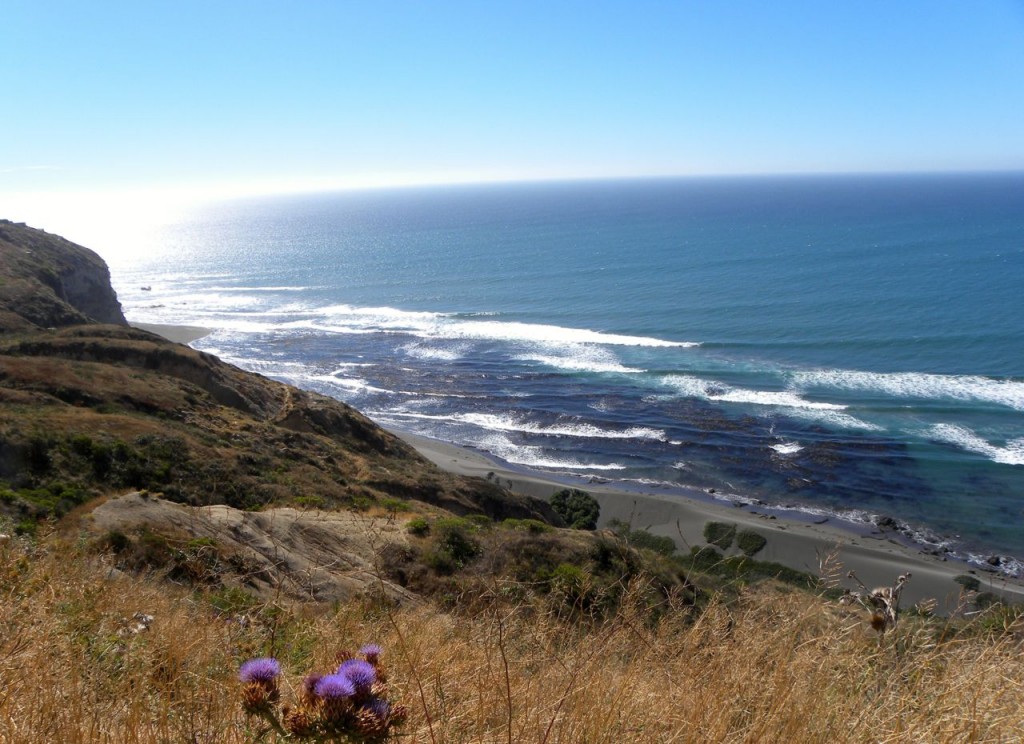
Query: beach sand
{"x": 179, "y": 334}
{"x": 876, "y": 557}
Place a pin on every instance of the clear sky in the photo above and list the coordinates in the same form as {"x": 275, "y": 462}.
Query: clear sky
{"x": 217, "y": 96}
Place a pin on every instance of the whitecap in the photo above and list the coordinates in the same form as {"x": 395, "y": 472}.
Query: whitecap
{"x": 836, "y": 419}
{"x": 720, "y": 392}
{"x": 1012, "y": 453}
{"x": 508, "y": 423}
{"x": 430, "y": 353}
{"x": 916, "y": 385}
{"x": 354, "y": 384}
{"x": 536, "y": 332}
{"x": 535, "y": 457}
{"x": 578, "y": 358}
{"x": 787, "y": 448}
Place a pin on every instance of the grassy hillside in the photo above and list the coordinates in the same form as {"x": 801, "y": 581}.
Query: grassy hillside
{"x": 90, "y": 409}
{"x": 773, "y": 665}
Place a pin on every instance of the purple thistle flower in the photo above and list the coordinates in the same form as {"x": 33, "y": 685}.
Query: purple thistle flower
{"x": 335, "y": 687}
{"x": 263, "y": 670}
{"x": 361, "y": 673}
{"x": 372, "y": 652}
{"x": 379, "y": 708}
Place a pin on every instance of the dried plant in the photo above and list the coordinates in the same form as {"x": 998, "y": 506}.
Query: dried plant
{"x": 882, "y": 602}
{"x": 774, "y": 664}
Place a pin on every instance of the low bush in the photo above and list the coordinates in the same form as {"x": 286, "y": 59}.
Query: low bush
{"x": 968, "y": 582}
{"x": 418, "y": 527}
{"x": 750, "y": 542}
{"x": 720, "y": 534}
{"x": 578, "y": 509}
{"x": 533, "y": 526}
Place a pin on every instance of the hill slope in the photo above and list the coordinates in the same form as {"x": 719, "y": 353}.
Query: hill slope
{"x": 89, "y": 409}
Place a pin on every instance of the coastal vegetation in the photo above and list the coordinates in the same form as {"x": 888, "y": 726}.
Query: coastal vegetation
{"x": 577, "y": 508}
{"x": 182, "y": 543}
{"x": 92, "y": 654}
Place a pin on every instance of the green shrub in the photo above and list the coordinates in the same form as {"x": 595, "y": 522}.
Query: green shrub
{"x": 970, "y": 583}
{"x": 117, "y": 541}
{"x": 720, "y": 534}
{"x": 642, "y": 538}
{"x": 704, "y": 558}
{"x": 750, "y": 542}
{"x": 418, "y": 527}
{"x": 657, "y": 543}
{"x": 578, "y": 509}
{"x": 454, "y": 538}
{"x": 533, "y": 526}
{"x": 394, "y": 505}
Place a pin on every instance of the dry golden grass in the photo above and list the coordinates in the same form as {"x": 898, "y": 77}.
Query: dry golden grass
{"x": 774, "y": 666}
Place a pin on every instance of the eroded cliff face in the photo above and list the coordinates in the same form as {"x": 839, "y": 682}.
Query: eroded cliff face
{"x": 49, "y": 282}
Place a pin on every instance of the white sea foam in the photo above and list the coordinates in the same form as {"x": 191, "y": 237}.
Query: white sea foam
{"x": 578, "y": 358}
{"x": 443, "y": 354}
{"x": 344, "y": 318}
{"x": 354, "y": 384}
{"x": 535, "y": 457}
{"x": 1012, "y": 453}
{"x": 719, "y": 392}
{"x": 787, "y": 448}
{"x": 836, "y": 419}
{"x": 506, "y": 423}
{"x": 916, "y": 385}
{"x": 549, "y": 334}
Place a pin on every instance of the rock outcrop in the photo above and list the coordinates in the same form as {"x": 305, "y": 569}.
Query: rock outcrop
{"x": 49, "y": 282}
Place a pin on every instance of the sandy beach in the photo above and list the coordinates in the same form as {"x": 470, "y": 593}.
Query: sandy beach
{"x": 179, "y": 334}
{"x": 876, "y": 557}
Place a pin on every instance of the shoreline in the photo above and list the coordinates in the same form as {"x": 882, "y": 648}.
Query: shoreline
{"x": 796, "y": 540}
{"x": 876, "y": 557}
{"x": 179, "y": 334}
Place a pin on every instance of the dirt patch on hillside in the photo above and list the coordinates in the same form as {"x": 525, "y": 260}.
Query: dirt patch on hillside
{"x": 308, "y": 555}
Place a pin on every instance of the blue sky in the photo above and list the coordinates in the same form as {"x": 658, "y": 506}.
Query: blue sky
{"x": 248, "y": 97}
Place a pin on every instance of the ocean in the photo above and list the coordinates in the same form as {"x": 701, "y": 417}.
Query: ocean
{"x": 849, "y": 347}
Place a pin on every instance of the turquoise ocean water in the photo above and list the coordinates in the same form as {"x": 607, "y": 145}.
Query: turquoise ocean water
{"x": 844, "y": 346}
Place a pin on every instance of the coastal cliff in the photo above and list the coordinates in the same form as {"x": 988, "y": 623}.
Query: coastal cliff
{"x": 49, "y": 282}
{"x": 92, "y": 407}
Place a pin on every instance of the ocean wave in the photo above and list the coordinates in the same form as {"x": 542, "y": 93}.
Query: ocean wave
{"x": 580, "y": 358}
{"x": 719, "y": 392}
{"x": 535, "y": 457}
{"x": 836, "y": 419}
{"x": 343, "y": 318}
{"x": 915, "y": 385}
{"x": 354, "y": 384}
{"x": 1010, "y": 454}
{"x": 506, "y": 423}
{"x": 493, "y": 330}
{"x": 445, "y": 354}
